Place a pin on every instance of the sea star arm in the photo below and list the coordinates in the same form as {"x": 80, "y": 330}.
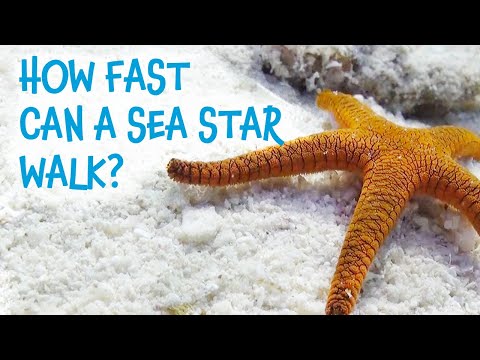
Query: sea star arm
{"x": 459, "y": 142}
{"x": 348, "y": 111}
{"x": 455, "y": 185}
{"x": 385, "y": 193}
{"x": 330, "y": 150}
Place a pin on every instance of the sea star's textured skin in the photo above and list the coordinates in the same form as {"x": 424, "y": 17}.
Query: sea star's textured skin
{"x": 395, "y": 163}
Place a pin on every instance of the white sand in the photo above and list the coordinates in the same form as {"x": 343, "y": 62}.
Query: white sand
{"x": 154, "y": 246}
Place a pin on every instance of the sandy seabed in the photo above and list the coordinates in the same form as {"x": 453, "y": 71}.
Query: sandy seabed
{"x": 151, "y": 246}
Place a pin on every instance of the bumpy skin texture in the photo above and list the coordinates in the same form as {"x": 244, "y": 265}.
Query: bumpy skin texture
{"x": 395, "y": 162}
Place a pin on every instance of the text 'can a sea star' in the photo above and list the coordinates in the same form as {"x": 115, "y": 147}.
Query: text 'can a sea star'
{"x": 395, "y": 163}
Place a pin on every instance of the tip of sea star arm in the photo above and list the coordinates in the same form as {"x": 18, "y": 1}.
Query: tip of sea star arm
{"x": 338, "y": 307}
{"x": 176, "y": 169}
{"x": 345, "y": 108}
{"x": 326, "y": 99}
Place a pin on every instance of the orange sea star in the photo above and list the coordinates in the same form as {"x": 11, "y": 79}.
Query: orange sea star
{"x": 395, "y": 163}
